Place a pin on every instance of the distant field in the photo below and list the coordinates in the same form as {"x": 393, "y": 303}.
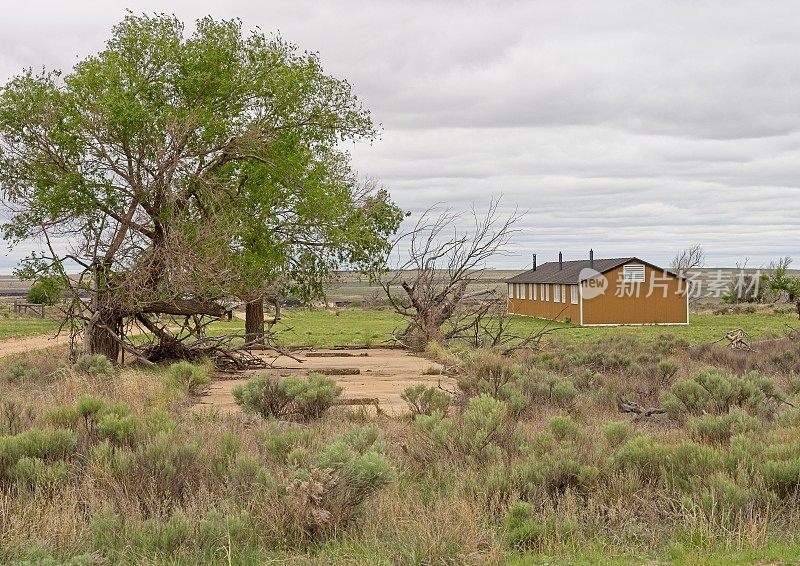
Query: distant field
{"x": 371, "y": 327}
{"x": 301, "y": 327}
{"x": 350, "y": 286}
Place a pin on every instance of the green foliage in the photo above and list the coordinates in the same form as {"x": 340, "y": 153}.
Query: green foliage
{"x": 47, "y": 290}
{"x": 719, "y": 428}
{"x": 119, "y": 429}
{"x": 32, "y": 471}
{"x": 188, "y": 377}
{"x": 279, "y": 441}
{"x": 715, "y": 392}
{"x": 481, "y": 433}
{"x": 291, "y": 396}
{"x": 90, "y": 406}
{"x": 424, "y": 400}
{"x": 564, "y": 428}
{"x": 20, "y": 372}
{"x": 262, "y": 118}
{"x": 37, "y": 444}
{"x": 96, "y": 365}
{"x": 62, "y": 417}
{"x": 524, "y": 534}
{"x": 617, "y": 432}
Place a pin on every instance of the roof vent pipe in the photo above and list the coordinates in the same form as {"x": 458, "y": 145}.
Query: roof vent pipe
{"x": 534, "y": 262}
{"x": 560, "y": 261}
{"x": 591, "y": 258}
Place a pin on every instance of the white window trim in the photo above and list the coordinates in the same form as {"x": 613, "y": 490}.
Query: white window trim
{"x": 546, "y": 291}
{"x": 533, "y": 297}
{"x": 563, "y": 293}
{"x": 574, "y": 294}
{"x": 522, "y": 290}
{"x": 556, "y": 293}
{"x": 510, "y": 290}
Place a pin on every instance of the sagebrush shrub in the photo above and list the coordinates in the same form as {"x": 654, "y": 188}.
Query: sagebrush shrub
{"x": 715, "y": 392}
{"x": 563, "y": 427}
{"x": 62, "y": 417}
{"x": 346, "y": 472}
{"x": 720, "y": 428}
{"x": 263, "y": 395}
{"x": 188, "y": 377}
{"x": 119, "y": 429}
{"x": 32, "y": 472}
{"x": 40, "y": 444}
{"x": 271, "y": 397}
{"x": 617, "y": 432}
{"x": 95, "y": 365}
{"x": 424, "y": 400}
{"x": 20, "y": 372}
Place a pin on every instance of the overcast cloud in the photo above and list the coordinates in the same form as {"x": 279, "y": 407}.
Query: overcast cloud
{"x": 635, "y": 128}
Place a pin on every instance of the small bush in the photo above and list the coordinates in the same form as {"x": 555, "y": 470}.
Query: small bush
{"x": 188, "y": 377}
{"x": 31, "y": 472}
{"x": 617, "y": 432}
{"x": 521, "y": 532}
{"x": 119, "y": 429}
{"x": 524, "y": 534}
{"x": 96, "y": 365}
{"x": 564, "y": 428}
{"x": 20, "y": 372}
{"x": 719, "y": 428}
{"x": 46, "y": 445}
{"x": 717, "y": 393}
{"x": 423, "y": 400}
{"x": 290, "y": 396}
{"x": 47, "y": 290}
{"x": 62, "y": 417}
{"x": 263, "y": 395}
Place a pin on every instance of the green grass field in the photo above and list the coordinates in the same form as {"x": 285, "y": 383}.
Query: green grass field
{"x": 364, "y": 327}
{"x": 24, "y": 327}
{"x": 322, "y": 328}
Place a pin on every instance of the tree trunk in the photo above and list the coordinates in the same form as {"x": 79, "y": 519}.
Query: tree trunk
{"x": 254, "y": 321}
{"x": 102, "y": 333}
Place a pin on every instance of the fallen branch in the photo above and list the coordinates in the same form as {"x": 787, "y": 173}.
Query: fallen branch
{"x": 635, "y": 408}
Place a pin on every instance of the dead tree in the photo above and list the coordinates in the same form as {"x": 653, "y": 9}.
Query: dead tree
{"x": 689, "y": 258}
{"x": 438, "y": 288}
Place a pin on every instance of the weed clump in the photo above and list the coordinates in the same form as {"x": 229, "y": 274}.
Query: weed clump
{"x": 188, "y": 377}
{"x": 95, "y": 365}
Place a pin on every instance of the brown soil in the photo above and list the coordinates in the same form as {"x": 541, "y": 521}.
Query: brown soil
{"x": 22, "y": 345}
{"x": 384, "y": 375}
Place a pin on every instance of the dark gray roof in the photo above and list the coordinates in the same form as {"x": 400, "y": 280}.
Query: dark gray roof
{"x": 570, "y": 271}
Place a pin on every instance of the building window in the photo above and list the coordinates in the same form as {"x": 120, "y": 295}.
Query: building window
{"x": 510, "y": 291}
{"x": 546, "y": 291}
{"x": 574, "y": 294}
{"x": 522, "y": 290}
{"x": 533, "y": 287}
{"x": 633, "y": 273}
{"x": 563, "y": 293}
{"x": 556, "y": 293}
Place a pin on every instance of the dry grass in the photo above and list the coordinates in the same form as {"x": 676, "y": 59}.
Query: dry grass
{"x": 213, "y": 488}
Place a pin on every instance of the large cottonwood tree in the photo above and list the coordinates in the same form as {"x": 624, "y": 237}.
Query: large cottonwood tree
{"x": 176, "y": 171}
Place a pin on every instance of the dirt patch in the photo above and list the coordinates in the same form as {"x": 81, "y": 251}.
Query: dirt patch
{"x": 384, "y": 375}
{"x": 22, "y": 345}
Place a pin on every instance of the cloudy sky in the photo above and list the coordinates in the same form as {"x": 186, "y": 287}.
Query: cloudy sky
{"x": 636, "y": 128}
